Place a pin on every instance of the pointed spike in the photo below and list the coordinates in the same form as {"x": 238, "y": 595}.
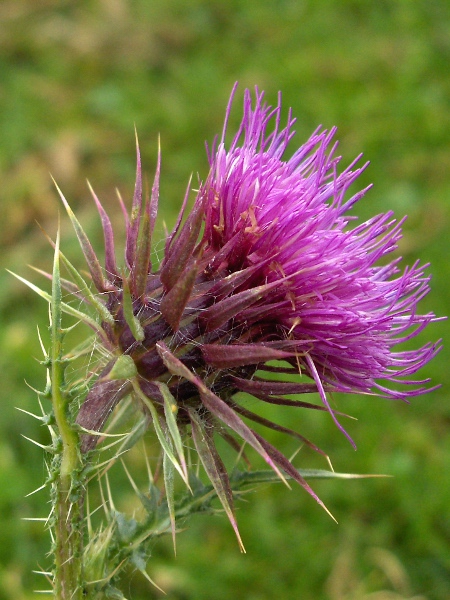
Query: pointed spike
{"x": 89, "y": 514}
{"x": 108, "y": 235}
{"x": 165, "y": 444}
{"x": 41, "y": 407}
{"x": 41, "y": 343}
{"x": 89, "y": 254}
{"x": 323, "y": 396}
{"x": 323, "y": 474}
{"x": 85, "y": 292}
{"x": 228, "y": 285}
{"x": 37, "y": 489}
{"x": 31, "y": 414}
{"x": 65, "y": 307}
{"x": 174, "y": 365}
{"x": 215, "y": 405}
{"x": 296, "y": 403}
{"x": 170, "y": 236}
{"x": 38, "y": 444}
{"x": 330, "y": 464}
{"x": 123, "y": 209}
{"x": 273, "y": 387}
{"x": 142, "y": 262}
{"x": 215, "y": 470}
{"x": 182, "y": 248}
{"x": 108, "y": 489}
{"x": 136, "y": 212}
{"x": 219, "y": 313}
{"x": 265, "y": 390}
{"x": 238, "y": 355}
{"x": 289, "y": 469}
{"x": 98, "y": 405}
{"x": 151, "y": 478}
{"x": 170, "y": 496}
{"x": 170, "y": 412}
{"x": 222, "y": 411}
{"x": 105, "y": 435}
{"x": 132, "y": 321}
{"x": 69, "y": 286}
{"x": 237, "y": 447}
{"x": 107, "y": 464}
{"x": 36, "y": 391}
{"x": 266, "y": 310}
{"x": 150, "y": 580}
{"x": 130, "y": 479}
{"x": 174, "y": 302}
{"x": 154, "y": 200}
{"x": 275, "y": 427}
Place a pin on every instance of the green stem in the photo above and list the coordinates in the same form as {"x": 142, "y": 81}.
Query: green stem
{"x": 68, "y": 518}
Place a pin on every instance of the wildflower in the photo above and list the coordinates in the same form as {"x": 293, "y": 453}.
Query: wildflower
{"x": 264, "y": 268}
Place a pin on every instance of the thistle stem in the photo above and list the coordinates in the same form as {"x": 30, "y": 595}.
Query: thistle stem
{"x": 68, "y": 525}
{"x": 68, "y": 582}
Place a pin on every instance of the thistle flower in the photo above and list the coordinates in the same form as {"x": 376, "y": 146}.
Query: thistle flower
{"x": 264, "y": 268}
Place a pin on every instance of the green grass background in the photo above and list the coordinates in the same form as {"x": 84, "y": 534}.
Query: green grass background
{"x": 75, "y": 77}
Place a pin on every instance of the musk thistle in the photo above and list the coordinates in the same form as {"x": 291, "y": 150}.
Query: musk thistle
{"x": 263, "y": 288}
{"x": 264, "y": 268}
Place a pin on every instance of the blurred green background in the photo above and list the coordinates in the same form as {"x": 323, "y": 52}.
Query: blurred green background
{"x": 75, "y": 77}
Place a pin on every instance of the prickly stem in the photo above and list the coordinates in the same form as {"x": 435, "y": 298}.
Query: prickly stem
{"x": 68, "y": 517}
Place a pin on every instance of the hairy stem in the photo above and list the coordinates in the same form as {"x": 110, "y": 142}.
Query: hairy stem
{"x": 68, "y": 583}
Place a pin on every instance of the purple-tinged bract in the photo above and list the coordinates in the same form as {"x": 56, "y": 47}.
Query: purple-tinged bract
{"x": 263, "y": 277}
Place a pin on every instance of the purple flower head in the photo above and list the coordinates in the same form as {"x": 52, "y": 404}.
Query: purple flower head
{"x": 264, "y": 276}
{"x": 341, "y": 311}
